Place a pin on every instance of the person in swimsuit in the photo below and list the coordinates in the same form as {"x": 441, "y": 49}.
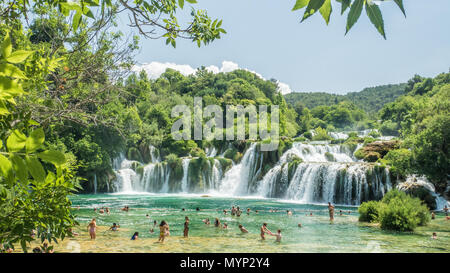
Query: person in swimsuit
{"x": 248, "y": 211}
{"x": 433, "y": 215}
{"x": 186, "y": 227}
{"x": 289, "y": 213}
{"x": 225, "y": 226}
{"x": 114, "y": 227}
{"x": 163, "y": 231}
{"x": 233, "y": 211}
{"x": 92, "y": 227}
{"x": 225, "y": 211}
{"x": 206, "y": 221}
{"x": 217, "y": 222}
{"x": 264, "y": 230}
{"x": 278, "y": 235}
{"x": 331, "y": 211}
{"x": 242, "y": 228}
{"x": 135, "y": 236}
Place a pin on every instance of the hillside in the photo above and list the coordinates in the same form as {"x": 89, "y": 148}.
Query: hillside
{"x": 370, "y": 99}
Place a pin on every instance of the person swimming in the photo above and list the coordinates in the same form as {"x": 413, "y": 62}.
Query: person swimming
{"x": 225, "y": 212}
{"x": 217, "y": 222}
{"x": 92, "y": 227}
{"x": 248, "y": 211}
{"x": 243, "y": 229}
{"x": 114, "y": 227}
{"x": 135, "y": 236}
{"x": 186, "y": 227}
{"x": 197, "y": 209}
{"x": 277, "y": 235}
{"x": 340, "y": 212}
{"x": 299, "y": 225}
{"x": 206, "y": 221}
{"x": 289, "y": 213}
{"x": 434, "y": 236}
{"x": 225, "y": 226}
{"x": 183, "y": 209}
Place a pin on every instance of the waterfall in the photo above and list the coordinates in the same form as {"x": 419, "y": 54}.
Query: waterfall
{"x": 312, "y": 172}
{"x": 95, "y": 183}
{"x": 236, "y": 180}
{"x": 184, "y": 181}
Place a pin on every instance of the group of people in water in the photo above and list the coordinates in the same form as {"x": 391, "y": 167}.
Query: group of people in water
{"x": 164, "y": 226}
{"x": 235, "y": 211}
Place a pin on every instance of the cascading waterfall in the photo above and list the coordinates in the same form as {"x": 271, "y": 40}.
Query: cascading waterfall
{"x": 327, "y": 173}
{"x": 184, "y": 181}
{"x": 237, "y": 179}
{"x": 314, "y": 172}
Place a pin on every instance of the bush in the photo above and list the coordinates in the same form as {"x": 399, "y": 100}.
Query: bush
{"x": 372, "y": 157}
{"x": 359, "y": 154}
{"x": 321, "y": 134}
{"x": 369, "y": 211}
{"x": 402, "y": 212}
{"x": 396, "y": 211}
{"x": 400, "y": 161}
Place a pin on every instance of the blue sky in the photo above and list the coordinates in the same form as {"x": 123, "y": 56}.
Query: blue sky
{"x": 265, "y": 36}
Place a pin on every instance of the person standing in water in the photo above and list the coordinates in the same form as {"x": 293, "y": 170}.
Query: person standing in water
{"x": 264, "y": 230}
{"x": 135, "y": 236}
{"x": 163, "y": 231}
{"x": 92, "y": 227}
{"x": 217, "y": 222}
{"x": 278, "y": 235}
{"x": 186, "y": 227}
{"x": 331, "y": 211}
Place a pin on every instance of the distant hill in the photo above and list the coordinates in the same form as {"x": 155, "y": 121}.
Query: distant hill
{"x": 370, "y": 99}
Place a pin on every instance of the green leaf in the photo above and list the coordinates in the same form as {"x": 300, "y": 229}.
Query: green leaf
{"x": 18, "y": 56}
{"x": 35, "y": 140}
{"x": 344, "y": 5}
{"x": 76, "y": 20}
{"x": 353, "y": 15}
{"x": 12, "y": 71}
{"x": 313, "y": 7}
{"x": 400, "y": 5}
{"x": 374, "y": 14}
{"x": 181, "y": 3}
{"x": 5, "y": 166}
{"x": 20, "y": 168}
{"x": 10, "y": 86}
{"x": 192, "y": 1}
{"x": 52, "y": 156}
{"x": 35, "y": 168}
{"x": 6, "y": 46}
{"x": 16, "y": 141}
{"x": 300, "y": 4}
{"x": 326, "y": 10}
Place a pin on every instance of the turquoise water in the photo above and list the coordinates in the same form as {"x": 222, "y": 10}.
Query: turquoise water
{"x": 317, "y": 234}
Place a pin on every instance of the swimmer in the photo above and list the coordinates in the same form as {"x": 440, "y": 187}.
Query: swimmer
{"x": 434, "y": 236}
{"x": 92, "y": 228}
{"x": 278, "y": 235}
{"x": 264, "y": 230}
{"x": 433, "y": 215}
{"x": 225, "y": 226}
{"x": 242, "y": 228}
{"x": 299, "y": 225}
{"x": 331, "y": 211}
{"x": 186, "y": 227}
{"x": 248, "y": 211}
{"x": 135, "y": 236}
{"x": 114, "y": 227}
{"x": 225, "y": 212}
{"x": 206, "y": 221}
{"x": 163, "y": 231}
{"x": 289, "y": 213}
{"x": 217, "y": 222}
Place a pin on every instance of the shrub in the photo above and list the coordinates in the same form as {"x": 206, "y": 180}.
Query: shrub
{"x": 400, "y": 161}
{"x": 321, "y": 134}
{"x": 359, "y": 154}
{"x": 402, "y": 212}
{"x": 369, "y": 211}
{"x": 372, "y": 157}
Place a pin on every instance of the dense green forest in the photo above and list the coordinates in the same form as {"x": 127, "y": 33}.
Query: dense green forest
{"x": 370, "y": 99}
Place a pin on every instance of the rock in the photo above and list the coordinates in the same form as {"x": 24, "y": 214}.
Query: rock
{"x": 381, "y": 147}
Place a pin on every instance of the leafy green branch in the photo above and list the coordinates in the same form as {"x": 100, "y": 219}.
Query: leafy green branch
{"x": 355, "y": 9}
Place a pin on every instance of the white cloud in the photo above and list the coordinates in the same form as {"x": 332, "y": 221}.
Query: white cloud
{"x": 155, "y": 69}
